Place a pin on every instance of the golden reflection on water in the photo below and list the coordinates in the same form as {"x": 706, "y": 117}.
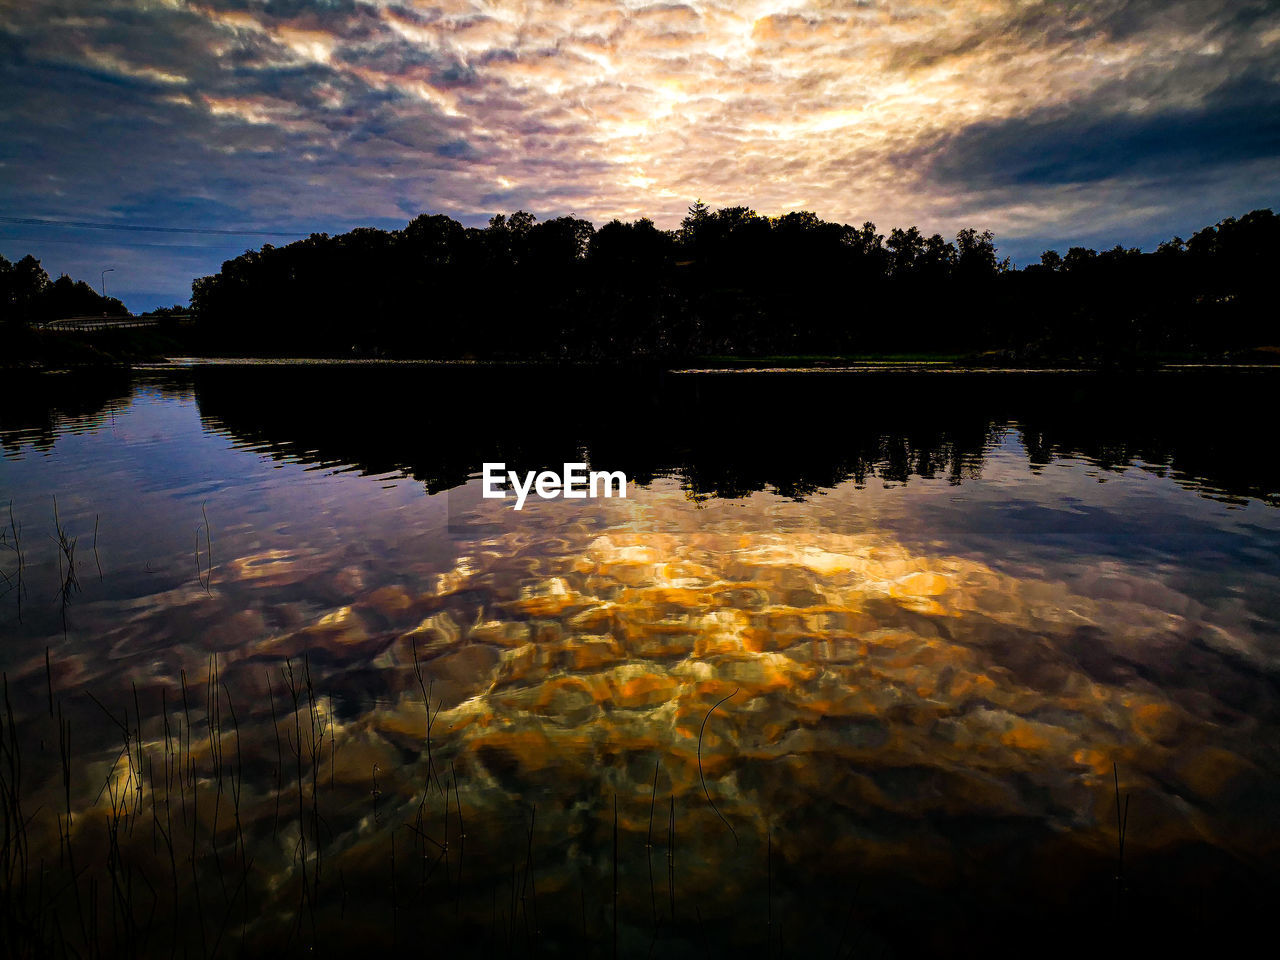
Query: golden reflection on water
{"x": 556, "y": 648}
{"x": 889, "y": 689}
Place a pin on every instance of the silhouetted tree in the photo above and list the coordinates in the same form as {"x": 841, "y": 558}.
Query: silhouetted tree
{"x": 699, "y": 213}
{"x": 905, "y": 248}
{"x": 28, "y": 296}
{"x": 728, "y": 281}
{"x": 976, "y": 255}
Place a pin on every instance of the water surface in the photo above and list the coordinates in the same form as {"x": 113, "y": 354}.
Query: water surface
{"x": 937, "y": 617}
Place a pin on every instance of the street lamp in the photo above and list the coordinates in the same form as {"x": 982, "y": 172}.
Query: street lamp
{"x": 103, "y": 280}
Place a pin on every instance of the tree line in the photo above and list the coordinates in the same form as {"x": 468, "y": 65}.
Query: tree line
{"x": 732, "y": 282}
{"x": 728, "y": 281}
{"x": 27, "y": 295}
{"x": 725, "y": 283}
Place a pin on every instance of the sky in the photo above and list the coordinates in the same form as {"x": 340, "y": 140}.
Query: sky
{"x": 161, "y": 137}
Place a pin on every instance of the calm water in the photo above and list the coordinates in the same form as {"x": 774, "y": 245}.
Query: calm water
{"x": 934, "y": 611}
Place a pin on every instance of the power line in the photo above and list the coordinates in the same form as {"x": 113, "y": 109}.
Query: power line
{"x": 42, "y": 222}
{"x": 82, "y": 242}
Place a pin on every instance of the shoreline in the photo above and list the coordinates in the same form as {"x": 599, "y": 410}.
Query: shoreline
{"x": 695, "y": 366}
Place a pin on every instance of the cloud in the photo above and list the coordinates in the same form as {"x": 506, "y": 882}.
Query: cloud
{"x": 1091, "y": 141}
{"x": 1032, "y": 118}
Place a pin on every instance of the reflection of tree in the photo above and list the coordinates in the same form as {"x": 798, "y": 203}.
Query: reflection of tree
{"x": 35, "y": 411}
{"x": 731, "y": 435}
{"x": 725, "y": 435}
{"x": 1200, "y": 429}
{"x": 717, "y": 434}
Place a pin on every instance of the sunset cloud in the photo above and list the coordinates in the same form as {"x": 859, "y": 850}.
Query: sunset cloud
{"x": 1047, "y": 122}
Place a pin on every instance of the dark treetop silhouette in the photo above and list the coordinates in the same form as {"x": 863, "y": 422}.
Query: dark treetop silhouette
{"x": 732, "y": 282}
{"x": 28, "y": 295}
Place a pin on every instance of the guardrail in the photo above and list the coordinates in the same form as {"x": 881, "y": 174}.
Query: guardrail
{"x": 100, "y": 324}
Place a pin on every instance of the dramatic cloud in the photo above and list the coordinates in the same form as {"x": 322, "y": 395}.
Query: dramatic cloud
{"x": 1114, "y": 120}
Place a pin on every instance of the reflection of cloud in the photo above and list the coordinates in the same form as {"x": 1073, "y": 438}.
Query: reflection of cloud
{"x": 893, "y": 690}
{"x": 900, "y": 112}
{"x": 547, "y": 644}
{"x": 548, "y": 652}
{"x": 846, "y": 652}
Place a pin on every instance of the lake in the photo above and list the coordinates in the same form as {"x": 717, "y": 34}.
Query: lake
{"x": 865, "y": 664}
